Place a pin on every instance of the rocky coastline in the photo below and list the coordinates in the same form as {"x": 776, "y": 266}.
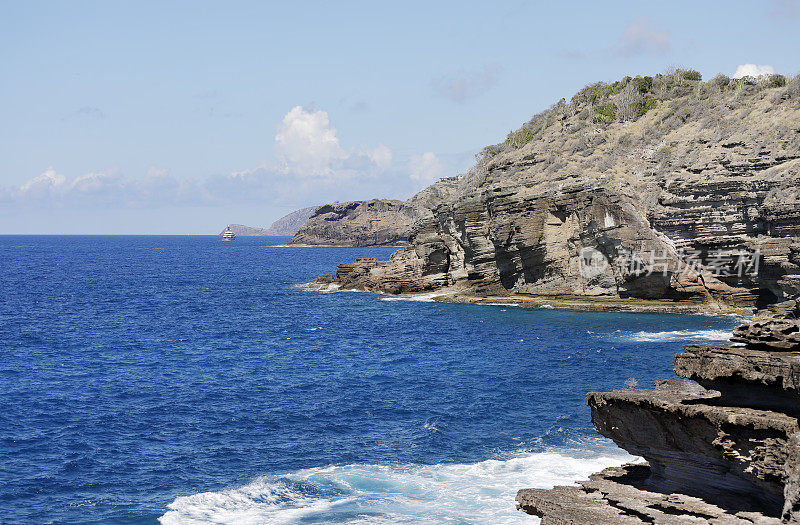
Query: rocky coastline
{"x": 721, "y": 446}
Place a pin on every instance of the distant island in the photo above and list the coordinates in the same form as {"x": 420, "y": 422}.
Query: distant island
{"x": 286, "y": 225}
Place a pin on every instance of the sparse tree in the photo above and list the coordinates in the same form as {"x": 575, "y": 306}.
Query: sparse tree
{"x": 628, "y": 102}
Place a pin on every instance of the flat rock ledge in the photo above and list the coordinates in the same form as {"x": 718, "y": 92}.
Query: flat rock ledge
{"x": 721, "y": 446}
{"x": 621, "y": 495}
{"x": 782, "y": 335}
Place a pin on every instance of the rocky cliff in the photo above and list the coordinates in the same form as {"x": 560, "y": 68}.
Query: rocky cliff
{"x": 721, "y": 447}
{"x": 648, "y": 193}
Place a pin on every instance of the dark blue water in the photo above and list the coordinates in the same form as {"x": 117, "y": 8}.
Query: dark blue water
{"x": 137, "y": 372}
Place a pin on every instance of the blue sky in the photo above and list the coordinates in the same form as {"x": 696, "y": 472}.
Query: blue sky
{"x": 181, "y": 117}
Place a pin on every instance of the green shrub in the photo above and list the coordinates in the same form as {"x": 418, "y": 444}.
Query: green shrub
{"x": 645, "y": 106}
{"x": 604, "y": 114}
{"x": 720, "y": 81}
{"x": 690, "y": 74}
{"x": 643, "y": 84}
{"x": 748, "y": 81}
{"x": 587, "y": 95}
{"x": 775, "y": 81}
{"x": 519, "y": 138}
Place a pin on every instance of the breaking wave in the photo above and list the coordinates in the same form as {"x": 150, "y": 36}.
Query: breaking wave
{"x": 421, "y": 297}
{"x": 393, "y": 493}
{"x": 679, "y": 335}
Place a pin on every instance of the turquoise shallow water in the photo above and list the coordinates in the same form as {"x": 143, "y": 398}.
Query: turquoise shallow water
{"x": 188, "y": 380}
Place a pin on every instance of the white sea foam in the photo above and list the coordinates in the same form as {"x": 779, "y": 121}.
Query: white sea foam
{"x": 500, "y": 304}
{"x": 419, "y": 297}
{"x": 679, "y": 335}
{"x": 391, "y": 493}
{"x": 324, "y": 288}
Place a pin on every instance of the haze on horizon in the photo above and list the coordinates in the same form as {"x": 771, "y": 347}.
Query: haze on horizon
{"x": 139, "y": 117}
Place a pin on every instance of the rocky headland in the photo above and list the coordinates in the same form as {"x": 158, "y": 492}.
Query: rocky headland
{"x": 376, "y": 222}
{"x": 358, "y": 223}
{"x": 721, "y": 446}
{"x": 660, "y": 193}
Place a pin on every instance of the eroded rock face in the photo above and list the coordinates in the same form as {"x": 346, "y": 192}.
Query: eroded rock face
{"x": 791, "y": 506}
{"x": 726, "y": 455}
{"x": 722, "y": 446}
{"x": 744, "y": 376}
{"x": 562, "y": 214}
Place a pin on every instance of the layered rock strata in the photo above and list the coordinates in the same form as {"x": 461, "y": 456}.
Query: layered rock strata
{"x": 721, "y": 446}
{"x": 694, "y": 203}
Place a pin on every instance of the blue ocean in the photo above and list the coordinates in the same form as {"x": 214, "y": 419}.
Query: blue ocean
{"x": 150, "y": 379}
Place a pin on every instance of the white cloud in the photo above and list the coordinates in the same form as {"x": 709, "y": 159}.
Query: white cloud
{"x": 312, "y": 168}
{"x": 95, "y": 182}
{"x": 464, "y": 85}
{"x": 47, "y": 182}
{"x": 640, "y": 37}
{"x": 425, "y": 168}
{"x": 308, "y": 150}
{"x": 752, "y": 70}
{"x": 306, "y": 143}
{"x": 380, "y": 155}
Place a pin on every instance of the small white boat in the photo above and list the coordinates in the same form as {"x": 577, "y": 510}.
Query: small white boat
{"x": 228, "y": 234}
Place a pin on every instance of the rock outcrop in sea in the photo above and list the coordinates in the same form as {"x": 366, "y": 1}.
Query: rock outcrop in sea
{"x": 376, "y": 222}
{"x": 358, "y": 223}
{"x": 660, "y": 192}
{"x": 722, "y": 446}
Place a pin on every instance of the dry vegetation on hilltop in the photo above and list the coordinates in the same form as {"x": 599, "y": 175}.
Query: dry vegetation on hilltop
{"x": 629, "y": 129}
